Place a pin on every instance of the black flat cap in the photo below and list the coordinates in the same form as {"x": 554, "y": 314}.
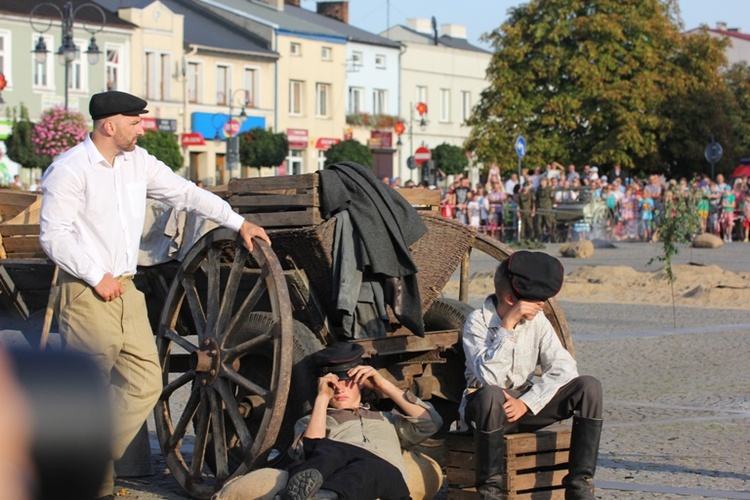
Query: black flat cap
{"x": 113, "y": 103}
{"x": 534, "y": 275}
{"x": 338, "y": 358}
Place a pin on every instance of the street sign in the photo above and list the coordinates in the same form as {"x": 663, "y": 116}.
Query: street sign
{"x": 411, "y": 163}
{"x": 422, "y": 154}
{"x": 520, "y": 147}
{"x": 713, "y": 152}
{"x": 232, "y": 127}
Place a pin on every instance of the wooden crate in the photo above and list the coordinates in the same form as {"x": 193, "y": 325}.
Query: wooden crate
{"x": 14, "y": 201}
{"x": 276, "y": 202}
{"x": 20, "y": 235}
{"x": 422, "y": 199}
{"x": 535, "y": 463}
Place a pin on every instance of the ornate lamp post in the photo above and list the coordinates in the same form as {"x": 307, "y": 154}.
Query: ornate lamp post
{"x": 421, "y": 109}
{"x": 68, "y": 51}
{"x": 232, "y": 128}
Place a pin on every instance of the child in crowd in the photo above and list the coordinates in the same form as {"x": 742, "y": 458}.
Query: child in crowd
{"x": 647, "y": 215}
{"x": 727, "y": 212}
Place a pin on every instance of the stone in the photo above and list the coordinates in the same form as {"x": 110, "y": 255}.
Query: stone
{"x": 707, "y": 240}
{"x": 578, "y": 249}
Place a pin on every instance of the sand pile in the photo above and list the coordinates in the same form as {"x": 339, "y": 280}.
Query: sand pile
{"x": 694, "y": 286}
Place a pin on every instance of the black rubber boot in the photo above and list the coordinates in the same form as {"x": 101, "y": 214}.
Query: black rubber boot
{"x": 488, "y": 460}
{"x": 584, "y": 450}
{"x": 303, "y": 485}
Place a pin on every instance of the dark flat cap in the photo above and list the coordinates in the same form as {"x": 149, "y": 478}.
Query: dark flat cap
{"x": 113, "y": 103}
{"x": 534, "y": 275}
{"x": 338, "y": 358}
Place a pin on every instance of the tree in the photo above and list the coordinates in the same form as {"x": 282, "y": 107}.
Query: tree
{"x": 164, "y": 146}
{"x": 20, "y": 148}
{"x": 450, "y": 159}
{"x": 349, "y": 150}
{"x": 584, "y": 81}
{"x": 263, "y": 148}
{"x": 57, "y": 130}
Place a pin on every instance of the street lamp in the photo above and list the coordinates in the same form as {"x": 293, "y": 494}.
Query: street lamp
{"x": 232, "y": 128}
{"x": 68, "y": 51}
{"x": 421, "y": 109}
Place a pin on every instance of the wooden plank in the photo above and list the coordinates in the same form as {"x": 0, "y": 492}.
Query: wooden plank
{"x": 460, "y": 459}
{"x": 9, "y": 293}
{"x": 308, "y": 217}
{"x": 459, "y": 477}
{"x": 533, "y": 480}
{"x": 471, "y": 494}
{"x": 543, "y": 440}
{"x": 22, "y": 244}
{"x": 8, "y": 230}
{"x": 459, "y": 442}
{"x": 13, "y": 202}
{"x": 304, "y": 181}
{"x": 273, "y": 200}
{"x": 462, "y": 494}
{"x": 525, "y": 462}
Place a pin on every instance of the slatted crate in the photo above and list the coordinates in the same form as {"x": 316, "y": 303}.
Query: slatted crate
{"x": 20, "y": 235}
{"x": 535, "y": 463}
{"x": 276, "y": 202}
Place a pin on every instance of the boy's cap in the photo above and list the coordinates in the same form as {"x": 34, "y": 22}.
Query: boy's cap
{"x": 534, "y": 275}
{"x": 113, "y": 103}
{"x": 338, "y": 358}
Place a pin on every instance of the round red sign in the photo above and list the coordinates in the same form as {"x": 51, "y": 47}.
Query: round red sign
{"x": 422, "y": 154}
{"x": 232, "y": 127}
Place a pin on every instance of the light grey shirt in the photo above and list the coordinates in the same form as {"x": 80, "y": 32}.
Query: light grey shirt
{"x": 508, "y": 359}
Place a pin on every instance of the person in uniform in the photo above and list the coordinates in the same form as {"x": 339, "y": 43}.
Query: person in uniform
{"x": 91, "y": 220}
{"x": 526, "y": 211}
{"x": 350, "y": 451}
{"x": 545, "y": 198}
{"x": 504, "y": 341}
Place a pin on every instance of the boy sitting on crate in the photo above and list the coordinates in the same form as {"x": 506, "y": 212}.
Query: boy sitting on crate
{"x": 504, "y": 341}
{"x": 350, "y": 451}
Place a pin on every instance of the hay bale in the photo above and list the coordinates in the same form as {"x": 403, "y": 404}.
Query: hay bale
{"x": 707, "y": 240}
{"x": 578, "y": 249}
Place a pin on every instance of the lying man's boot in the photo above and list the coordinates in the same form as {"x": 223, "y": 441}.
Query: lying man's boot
{"x": 584, "y": 450}
{"x": 488, "y": 459}
{"x": 303, "y": 485}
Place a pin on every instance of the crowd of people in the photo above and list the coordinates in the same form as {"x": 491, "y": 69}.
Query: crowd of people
{"x": 635, "y": 205}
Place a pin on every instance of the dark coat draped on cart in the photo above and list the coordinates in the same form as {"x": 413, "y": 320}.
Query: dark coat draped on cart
{"x": 386, "y": 225}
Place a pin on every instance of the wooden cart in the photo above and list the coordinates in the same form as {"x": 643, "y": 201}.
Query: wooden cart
{"x": 234, "y": 329}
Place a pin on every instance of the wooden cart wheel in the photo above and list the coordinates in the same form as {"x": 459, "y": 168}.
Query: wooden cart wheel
{"x": 500, "y": 251}
{"x": 218, "y": 285}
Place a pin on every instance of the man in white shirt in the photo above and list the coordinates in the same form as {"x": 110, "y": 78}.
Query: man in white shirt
{"x": 93, "y": 210}
{"x": 504, "y": 341}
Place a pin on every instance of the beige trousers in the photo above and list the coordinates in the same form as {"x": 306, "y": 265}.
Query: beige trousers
{"x": 118, "y": 336}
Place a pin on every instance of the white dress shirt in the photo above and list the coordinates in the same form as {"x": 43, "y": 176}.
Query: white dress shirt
{"x": 508, "y": 359}
{"x": 92, "y": 212}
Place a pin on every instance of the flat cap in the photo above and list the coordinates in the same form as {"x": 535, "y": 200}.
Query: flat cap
{"x": 338, "y": 358}
{"x": 534, "y": 275}
{"x": 113, "y": 103}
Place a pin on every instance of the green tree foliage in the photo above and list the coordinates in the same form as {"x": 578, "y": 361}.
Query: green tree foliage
{"x": 585, "y": 81}
{"x": 20, "y": 147}
{"x": 263, "y": 148}
{"x": 164, "y": 146}
{"x": 450, "y": 159}
{"x": 350, "y": 150}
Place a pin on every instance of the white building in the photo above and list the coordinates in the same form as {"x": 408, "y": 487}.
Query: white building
{"x": 739, "y": 46}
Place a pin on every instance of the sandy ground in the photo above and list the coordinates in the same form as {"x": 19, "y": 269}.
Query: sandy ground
{"x": 677, "y": 382}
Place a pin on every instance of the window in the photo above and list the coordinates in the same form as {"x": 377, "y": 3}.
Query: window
{"x": 193, "y": 76}
{"x": 357, "y": 59}
{"x": 380, "y": 61}
{"x": 326, "y": 53}
{"x": 445, "y": 105}
{"x": 78, "y": 71}
{"x": 295, "y": 49}
{"x": 157, "y": 76}
{"x": 222, "y": 85}
{"x": 44, "y": 77}
{"x": 356, "y": 100}
{"x": 294, "y": 162}
{"x": 465, "y": 105}
{"x": 421, "y": 94}
{"x": 5, "y": 65}
{"x": 295, "y": 97}
{"x": 321, "y": 159}
{"x": 249, "y": 86}
{"x": 379, "y": 102}
{"x": 113, "y": 67}
{"x": 322, "y": 96}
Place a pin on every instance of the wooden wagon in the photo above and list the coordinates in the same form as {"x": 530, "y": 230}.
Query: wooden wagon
{"x": 234, "y": 329}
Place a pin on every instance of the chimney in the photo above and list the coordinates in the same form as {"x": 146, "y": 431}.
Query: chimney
{"x": 338, "y": 10}
{"x": 292, "y": 2}
{"x": 274, "y": 4}
{"x": 423, "y": 26}
{"x": 721, "y": 26}
{"x": 453, "y": 30}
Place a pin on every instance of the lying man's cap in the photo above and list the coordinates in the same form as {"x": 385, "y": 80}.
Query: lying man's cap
{"x": 534, "y": 275}
{"x": 338, "y": 358}
{"x": 113, "y": 103}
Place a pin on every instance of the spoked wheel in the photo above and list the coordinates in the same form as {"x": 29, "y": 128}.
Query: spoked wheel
{"x": 219, "y": 284}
